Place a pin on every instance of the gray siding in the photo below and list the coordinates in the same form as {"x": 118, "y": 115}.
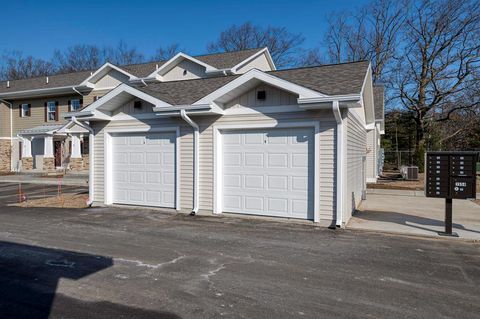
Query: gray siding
{"x": 206, "y": 196}
{"x": 356, "y": 139}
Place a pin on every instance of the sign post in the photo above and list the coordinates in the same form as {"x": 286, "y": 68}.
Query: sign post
{"x": 450, "y": 175}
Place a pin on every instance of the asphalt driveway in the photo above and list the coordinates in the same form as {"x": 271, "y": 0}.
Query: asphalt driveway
{"x": 124, "y": 263}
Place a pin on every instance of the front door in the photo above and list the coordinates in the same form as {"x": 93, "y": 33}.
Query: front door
{"x": 58, "y": 153}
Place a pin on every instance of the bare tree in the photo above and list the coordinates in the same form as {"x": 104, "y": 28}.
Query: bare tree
{"x": 124, "y": 54}
{"x": 78, "y": 58}
{"x": 166, "y": 53}
{"x": 439, "y": 62}
{"x": 310, "y": 57}
{"x": 282, "y": 44}
{"x": 371, "y": 33}
{"x": 16, "y": 67}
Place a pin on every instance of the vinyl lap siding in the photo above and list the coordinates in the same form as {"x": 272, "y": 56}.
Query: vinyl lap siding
{"x": 371, "y": 155}
{"x": 206, "y": 196}
{"x": 356, "y": 139}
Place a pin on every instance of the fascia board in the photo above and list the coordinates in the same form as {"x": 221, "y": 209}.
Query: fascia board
{"x": 261, "y": 76}
{"x": 175, "y": 60}
{"x": 87, "y": 81}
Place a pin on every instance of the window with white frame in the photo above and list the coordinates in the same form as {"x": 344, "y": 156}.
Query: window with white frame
{"x": 25, "y": 110}
{"x": 75, "y": 105}
{"x": 51, "y": 111}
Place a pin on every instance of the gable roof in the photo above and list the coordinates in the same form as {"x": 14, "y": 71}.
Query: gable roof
{"x": 337, "y": 79}
{"x": 379, "y": 101}
{"x": 330, "y": 79}
{"x": 217, "y": 60}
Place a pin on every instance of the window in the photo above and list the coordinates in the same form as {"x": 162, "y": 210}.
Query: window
{"x": 25, "y": 110}
{"x": 75, "y": 105}
{"x": 51, "y": 111}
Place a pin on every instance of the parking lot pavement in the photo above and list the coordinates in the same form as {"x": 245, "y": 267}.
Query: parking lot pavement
{"x": 138, "y": 263}
{"x": 415, "y": 214}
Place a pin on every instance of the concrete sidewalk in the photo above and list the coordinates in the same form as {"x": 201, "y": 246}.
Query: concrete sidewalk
{"x": 409, "y": 212}
{"x": 69, "y": 179}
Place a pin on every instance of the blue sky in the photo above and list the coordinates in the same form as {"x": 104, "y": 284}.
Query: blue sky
{"x": 39, "y": 27}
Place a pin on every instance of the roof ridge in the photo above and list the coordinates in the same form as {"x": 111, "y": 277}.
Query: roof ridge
{"x": 319, "y": 66}
{"x": 129, "y": 65}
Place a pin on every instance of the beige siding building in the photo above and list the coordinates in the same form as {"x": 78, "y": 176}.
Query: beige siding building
{"x": 224, "y": 133}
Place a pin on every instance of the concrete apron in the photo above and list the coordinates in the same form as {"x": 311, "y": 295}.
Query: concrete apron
{"x": 411, "y": 213}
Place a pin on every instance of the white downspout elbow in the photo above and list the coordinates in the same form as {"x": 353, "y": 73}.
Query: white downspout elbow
{"x": 196, "y": 156}
{"x": 340, "y": 163}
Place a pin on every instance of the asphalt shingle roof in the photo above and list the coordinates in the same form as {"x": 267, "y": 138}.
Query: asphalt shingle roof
{"x": 335, "y": 79}
{"x": 379, "y": 101}
{"x": 331, "y": 79}
{"x": 217, "y": 60}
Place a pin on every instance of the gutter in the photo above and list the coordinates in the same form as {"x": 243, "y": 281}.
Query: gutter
{"x": 196, "y": 157}
{"x": 11, "y": 131}
{"x": 340, "y": 156}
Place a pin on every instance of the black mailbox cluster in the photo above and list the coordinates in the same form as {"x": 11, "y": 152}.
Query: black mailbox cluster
{"x": 450, "y": 174}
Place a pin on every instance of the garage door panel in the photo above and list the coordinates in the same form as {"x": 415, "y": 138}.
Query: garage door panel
{"x": 144, "y": 169}
{"x": 269, "y": 172}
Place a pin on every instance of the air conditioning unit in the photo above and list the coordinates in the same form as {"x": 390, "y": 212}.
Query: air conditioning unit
{"x": 409, "y": 173}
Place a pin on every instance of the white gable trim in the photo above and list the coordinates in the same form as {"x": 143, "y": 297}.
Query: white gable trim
{"x": 261, "y": 76}
{"x": 105, "y": 69}
{"x": 177, "y": 59}
{"x": 254, "y": 56}
{"x": 128, "y": 89}
{"x": 369, "y": 72}
{"x": 67, "y": 127}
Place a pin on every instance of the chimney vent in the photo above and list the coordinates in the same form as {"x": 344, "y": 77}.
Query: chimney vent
{"x": 8, "y": 84}
{"x": 47, "y": 80}
{"x": 156, "y": 66}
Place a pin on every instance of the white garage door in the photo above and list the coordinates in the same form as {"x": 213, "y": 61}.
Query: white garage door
{"x": 269, "y": 172}
{"x": 144, "y": 169}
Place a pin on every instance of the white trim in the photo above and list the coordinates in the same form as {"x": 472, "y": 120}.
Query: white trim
{"x": 87, "y": 82}
{"x": 128, "y": 89}
{"x": 35, "y": 92}
{"x": 175, "y": 61}
{"x": 371, "y": 179}
{"x": 235, "y": 110}
{"x": 253, "y": 57}
{"x": 218, "y": 165}
{"x": 339, "y": 163}
{"x": 108, "y": 163}
{"x": 261, "y": 76}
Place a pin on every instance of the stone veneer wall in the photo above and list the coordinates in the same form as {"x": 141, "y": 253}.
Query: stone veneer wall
{"x": 5, "y": 155}
{"x": 48, "y": 164}
{"x": 27, "y": 163}
{"x": 80, "y": 164}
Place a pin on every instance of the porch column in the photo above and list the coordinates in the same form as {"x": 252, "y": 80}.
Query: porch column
{"x": 76, "y": 147}
{"x": 48, "y": 146}
{"x": 27, "y": 147}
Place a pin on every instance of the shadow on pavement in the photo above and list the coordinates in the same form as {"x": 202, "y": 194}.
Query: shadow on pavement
{"x": 407, "y": 220}
{"x": 29, "y": 276}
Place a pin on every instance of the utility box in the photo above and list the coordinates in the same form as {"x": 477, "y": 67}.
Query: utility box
{"x": 409, "y": 173}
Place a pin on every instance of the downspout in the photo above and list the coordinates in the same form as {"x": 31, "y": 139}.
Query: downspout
{"x": 340, "y": 156}
{"x": 11, "y": 131}
{"x": 91, "y": 166}
{"x": 196, "y": 155}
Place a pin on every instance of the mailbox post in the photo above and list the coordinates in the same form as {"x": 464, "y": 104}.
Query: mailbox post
{"x": 450, "y": 175}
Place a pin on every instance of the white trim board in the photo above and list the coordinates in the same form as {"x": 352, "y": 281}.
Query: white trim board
{"x": 108, "y": 181}
{"x": 218, "y": 165}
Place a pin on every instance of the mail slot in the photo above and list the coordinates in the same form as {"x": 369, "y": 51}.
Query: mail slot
{"x": 450, "y": 174}
{"x": 462, "y": 187}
